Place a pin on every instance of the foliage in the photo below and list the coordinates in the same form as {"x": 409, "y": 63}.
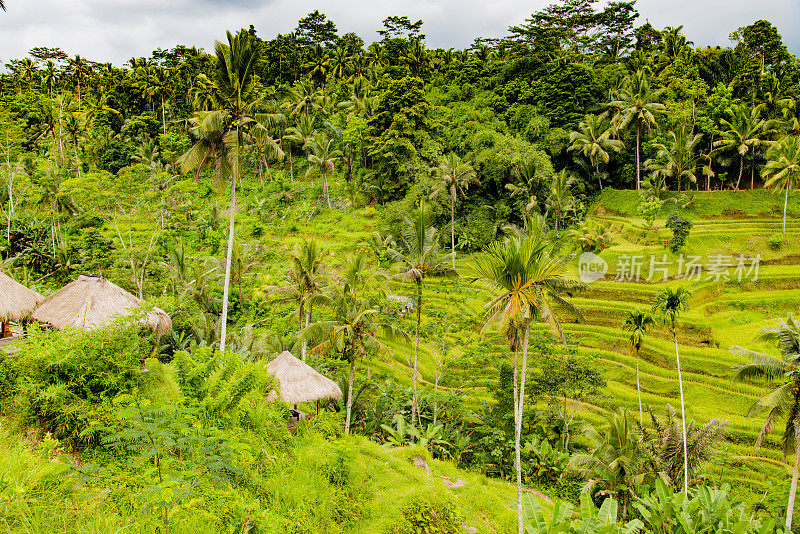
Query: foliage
{"x": 708, "y": 510}
{"x": 66, "y": 381}
{"x": 680, "y": 227}
{"x": 428, "y": 515}
{"x": 592, "y": 520}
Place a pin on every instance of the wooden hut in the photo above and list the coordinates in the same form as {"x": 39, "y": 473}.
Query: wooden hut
{"x": 299, "y": 382}
{"x": 92, "y": 301}
{"x": 17, "y": 303}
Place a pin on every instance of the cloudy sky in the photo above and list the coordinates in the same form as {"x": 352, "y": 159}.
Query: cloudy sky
{"x": 116, "y": 30}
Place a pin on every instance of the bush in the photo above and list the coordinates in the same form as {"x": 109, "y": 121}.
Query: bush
{"x": 424, "y": 515}
{"x": 66, "y": 380}
{"x": 775, "y": 242}
{"x": 680, "y": 227}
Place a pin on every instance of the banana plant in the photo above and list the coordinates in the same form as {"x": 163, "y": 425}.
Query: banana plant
{"x": 592, "y": 520}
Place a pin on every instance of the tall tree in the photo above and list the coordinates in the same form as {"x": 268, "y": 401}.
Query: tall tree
{"x": 322, "y": 159}
{"x": 233, "y": 70}
{"x": 637, "y": 322}
{"x": 678, "y": 157}
{"x": 316, "y": 29}
{"x": 638, "y": 104}
{"x": 743, "y": 133}
{"x": 783, "y": 169}
{"x": 594, "y": 141}
{"x": 669, "y": 303}
{"x": 560, "y": 200}
{"x": 418, "y": 255}
{"x": 454, "y": 177}
{"x": 783, "y": 401}
{"x": 524, "y": 275}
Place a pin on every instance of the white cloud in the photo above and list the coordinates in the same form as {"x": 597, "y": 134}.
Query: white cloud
{"x": 117, "y": 30}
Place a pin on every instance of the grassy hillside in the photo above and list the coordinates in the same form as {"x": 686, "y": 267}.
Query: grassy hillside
{"x": 346, "y": 485}
{"x": 722, "y": 314}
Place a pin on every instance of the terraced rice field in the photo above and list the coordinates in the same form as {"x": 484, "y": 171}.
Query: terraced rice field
{"x": 723, "y": 314}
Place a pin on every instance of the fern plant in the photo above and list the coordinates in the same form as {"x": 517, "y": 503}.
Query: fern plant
{"x": 218, "y": 381}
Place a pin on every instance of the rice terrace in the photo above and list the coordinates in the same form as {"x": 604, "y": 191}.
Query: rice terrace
{"x": 532, "y": 270}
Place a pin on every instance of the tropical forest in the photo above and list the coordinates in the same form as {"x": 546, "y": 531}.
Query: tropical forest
{"x": 307, "y": 283}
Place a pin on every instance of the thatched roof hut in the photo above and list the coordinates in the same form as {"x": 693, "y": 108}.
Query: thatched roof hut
{"x": 300, "y": 382}
{"x": 17, "y": 302}
{"x": 92, "y": 301}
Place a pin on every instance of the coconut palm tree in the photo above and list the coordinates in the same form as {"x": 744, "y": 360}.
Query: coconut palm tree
{"x": 417, "y": 252}
{"x": 221, "y": 133}
{"x": 614, "y": 466}
{"x": 638, "y": 104}
{"x": 322, "y": 159}
{"x": 303, "y": 98}
{"x": 354, "y": 321}
{"x": 301, "y": 133}
{"x": 678, "y": 158}
{"x": 669, "y": 303}
{"x": 744, "y": 132}
{"x": 594, "y": 141}
{"x": 305, "y": 279}
{"x": 782, "y": 170}
{"x": 454, "y": 177}
{"x": 783, "y": 401}
{"x": 50, "y": 77}
{"x": 80, "y": 68}
{"x": 526, "y": 277}
{"x": 559, "y": 199}
{"x": 637, "y": 322}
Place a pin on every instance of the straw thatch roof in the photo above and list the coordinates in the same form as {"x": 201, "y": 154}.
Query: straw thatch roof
{"x": 17, "y": 302}
{"x": 300, "y": 382}
{"x": 92, "y": 301}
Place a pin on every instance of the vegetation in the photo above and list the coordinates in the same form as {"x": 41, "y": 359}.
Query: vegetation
{"x": 296, "y": 193}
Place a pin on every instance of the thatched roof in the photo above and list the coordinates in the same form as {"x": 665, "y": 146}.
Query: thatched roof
{"x": 300, "y": 382}
{"x": 92, "y": 301}
{"x": 17, "y": 302}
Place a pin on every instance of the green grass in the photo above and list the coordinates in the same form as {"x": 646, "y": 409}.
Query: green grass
{"x": 378, "y": 485}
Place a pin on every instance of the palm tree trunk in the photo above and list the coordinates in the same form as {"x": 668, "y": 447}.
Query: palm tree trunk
{"x": 77, "y": 161}
{"x": 415, "y": 401}
{"x": 350, "y": 395}
{"x": 741, "y": 168}
{"x": 519, "y": 405}
{"x": 453, "y": 228}
{"x": 163, "y": 115}
{"x": 227, "y": 283}
{"x": 683, "y": 418}
{"x": 638, "y": 137}
{"x": 638, "y": 389}
{"x": 300, "y": 314}
{"x": 325, "y": 189}
{"x": 597, "y": 172}
{"x": 786, "y": 203}
{"x": 792, "y": 491}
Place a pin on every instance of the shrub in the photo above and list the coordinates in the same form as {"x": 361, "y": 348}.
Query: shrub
{"x": 680, "y": 227}
{"x": 66, "y": 380}
{"x": 427, "y": 515}
{"x": 775, "y": 242}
